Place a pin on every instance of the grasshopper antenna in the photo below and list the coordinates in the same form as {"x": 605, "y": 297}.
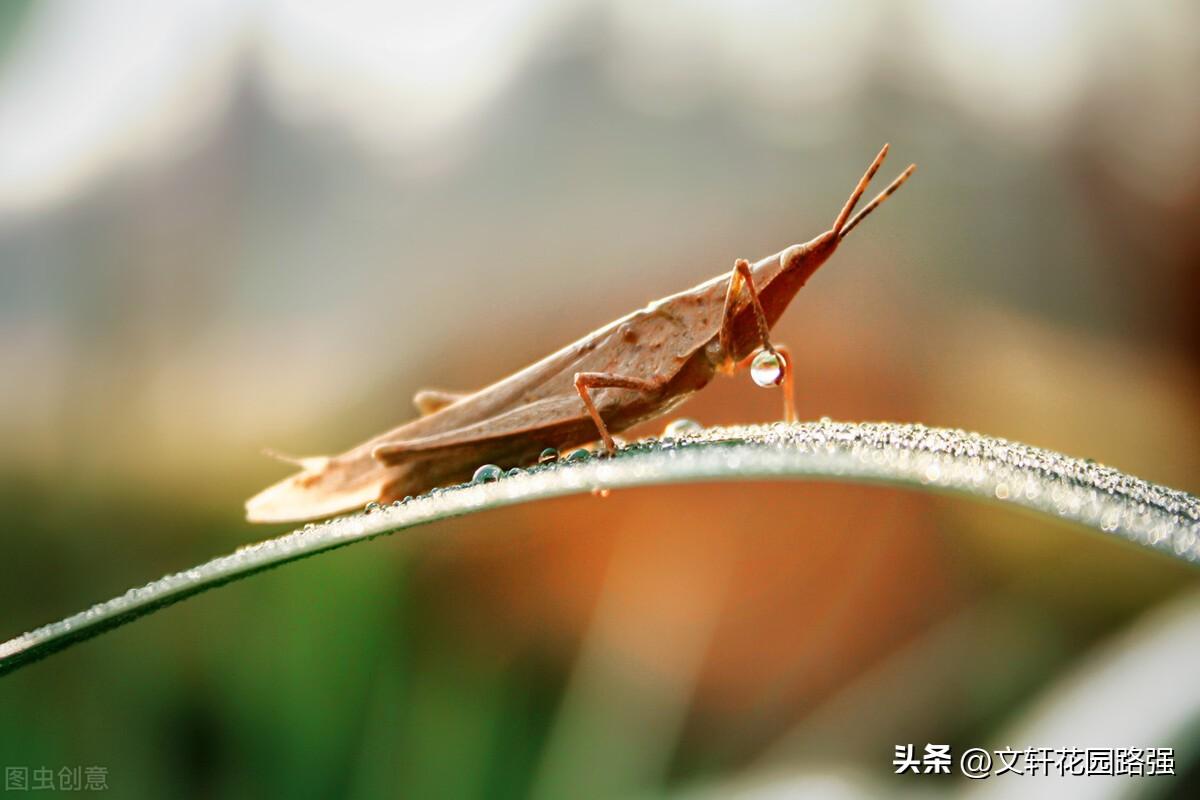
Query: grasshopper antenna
{"x": 879, "y": 198}
{"x": 858, "y": 190}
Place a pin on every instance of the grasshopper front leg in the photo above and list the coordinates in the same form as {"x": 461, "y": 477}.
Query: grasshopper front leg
{"x": 585, "y": 381}
{"x": 741, "y": 276}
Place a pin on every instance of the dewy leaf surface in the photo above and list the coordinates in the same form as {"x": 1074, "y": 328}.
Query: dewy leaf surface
{"x": 937, "y": 459}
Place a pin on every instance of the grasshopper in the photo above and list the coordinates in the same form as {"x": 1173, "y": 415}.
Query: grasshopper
{"x": 635, "y": 368}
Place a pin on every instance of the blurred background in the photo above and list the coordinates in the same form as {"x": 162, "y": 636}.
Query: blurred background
{"x": 231, "y": 225}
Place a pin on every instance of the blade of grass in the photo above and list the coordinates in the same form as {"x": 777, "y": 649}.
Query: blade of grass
{"x": 934, "y": 459}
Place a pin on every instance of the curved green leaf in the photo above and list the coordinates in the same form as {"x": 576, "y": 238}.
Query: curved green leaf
{"x": 1085, "y": 492}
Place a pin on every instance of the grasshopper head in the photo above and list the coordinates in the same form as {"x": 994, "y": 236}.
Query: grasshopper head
{"x": 800, "y": 261}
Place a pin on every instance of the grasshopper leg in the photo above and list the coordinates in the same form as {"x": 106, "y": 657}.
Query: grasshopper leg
{"x": 586, "y": 381}
{"x": 742, "y": 276}
{"x": 429, "y": 401}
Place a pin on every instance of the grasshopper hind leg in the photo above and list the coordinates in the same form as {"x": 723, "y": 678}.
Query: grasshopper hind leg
{"x": 586, "y": 381}
{"x": 429, "y": 401}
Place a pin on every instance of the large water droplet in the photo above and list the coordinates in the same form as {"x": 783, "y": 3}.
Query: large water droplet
{"x": 581, "y": 454}
{"x": 767, "y": 368}
{"x": 681, "y": 427}
{"x": 548, "y": 456}
{"x": 487, "y": 473}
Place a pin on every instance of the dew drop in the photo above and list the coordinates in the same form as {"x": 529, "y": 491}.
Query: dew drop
{"x": 1001, "y": 491}
{"x": 579, "y": 455}
{"x": 767, "y": 369}
{"x": 514, "y": 471}
{"x": 487, "y": 473}
{"x": 371, "y": 508}
{"x": 408, "y": 498}
{"x": 548, "y": 456}
{"x": 682, "y": 427}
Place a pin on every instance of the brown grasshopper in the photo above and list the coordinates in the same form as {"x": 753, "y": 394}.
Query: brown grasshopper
{"x": 635, "y": 368}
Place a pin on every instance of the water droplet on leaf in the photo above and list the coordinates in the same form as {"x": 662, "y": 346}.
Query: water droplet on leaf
{"x": 487, "y": 473}
{"x": 682, "y": 427}
{"x": 548, "y": 456}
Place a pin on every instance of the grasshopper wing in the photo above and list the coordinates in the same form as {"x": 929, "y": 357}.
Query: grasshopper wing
{"x": 553, "y": 421}
{"x": 321, "y": 490}
{"x": 386, "y": 470}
